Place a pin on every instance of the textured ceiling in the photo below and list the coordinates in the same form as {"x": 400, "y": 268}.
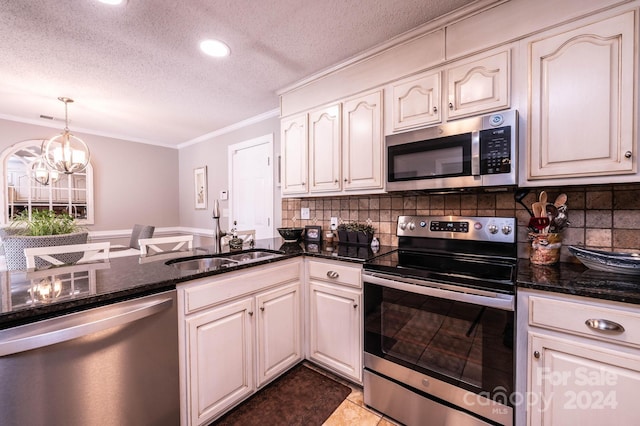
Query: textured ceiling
{"x": 135, "y": 71}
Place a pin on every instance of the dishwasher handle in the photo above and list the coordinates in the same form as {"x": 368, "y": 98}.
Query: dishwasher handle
{"x": 73, "y": 326}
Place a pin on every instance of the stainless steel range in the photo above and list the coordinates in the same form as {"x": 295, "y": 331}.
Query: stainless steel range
{"x": 439, "y": 322}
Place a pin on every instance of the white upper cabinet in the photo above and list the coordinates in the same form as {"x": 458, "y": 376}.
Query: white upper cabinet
{"x": 344, "y": 144}
{"x": 363, "y": 142}
{"x": 581, "y": 106}
{"x": 473, "y": 86}
{"x": 416, "y": 101}
{"x": 294, "y": 146}
{"x": 324, "y": 149}
{"x": 478, "y": 86}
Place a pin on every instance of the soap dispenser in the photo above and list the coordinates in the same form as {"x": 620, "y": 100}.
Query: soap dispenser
{"x": 235, "y": 243}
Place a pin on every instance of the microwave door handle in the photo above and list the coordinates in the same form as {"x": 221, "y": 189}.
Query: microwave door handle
{"x": 475, "y": 153}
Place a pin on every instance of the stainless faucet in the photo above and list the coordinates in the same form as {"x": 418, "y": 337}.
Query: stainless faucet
{"x": 217, "y": 232}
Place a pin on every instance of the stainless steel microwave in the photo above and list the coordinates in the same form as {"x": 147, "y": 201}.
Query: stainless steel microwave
{"x": 473, "y": 152}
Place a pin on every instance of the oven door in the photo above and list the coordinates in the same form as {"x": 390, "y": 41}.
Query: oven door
{"x": 444, "y": 342}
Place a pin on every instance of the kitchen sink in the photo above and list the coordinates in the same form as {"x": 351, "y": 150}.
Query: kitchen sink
{"x": 252, "y": 256}
{"x": 203, "y": 264}
{"x": 220, "y": 261}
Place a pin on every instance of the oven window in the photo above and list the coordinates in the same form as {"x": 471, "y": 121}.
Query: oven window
{"x": 467, "y": 345}
{"x": 443, "y": 157}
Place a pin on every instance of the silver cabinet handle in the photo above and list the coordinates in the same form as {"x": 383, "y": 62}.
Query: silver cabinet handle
{"x": 62, "y": 329}
{"x": 604, "y": 325}
{"x": 332, "y": 274}
{"x": 627, "y": 154}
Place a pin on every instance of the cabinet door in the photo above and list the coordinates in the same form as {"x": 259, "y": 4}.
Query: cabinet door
{"x": 324, "y": 149}
{"x": 479, "y": 86}
{"x": 416, "y": 101}
{"x": 220, "y": 359}
{"x": 294, "y": 145}
{"x": 335, "y": 329}
{"x": 580, "y": 384}
{"x": 363, "y": 142}
{"x": 581, "y": 108}
{"x": 278, "y": 331}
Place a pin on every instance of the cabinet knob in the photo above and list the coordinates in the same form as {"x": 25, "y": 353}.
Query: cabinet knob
{"x": 435, "y": 109}
{"x": 604, "y": 325}
{"x": 335, "y": 181}
{"x": 303, "y": 184}
{"x": 346, "y": 180}
{"x": 627, "y": 154}
{"x": 536, "y": 354}
{"x": 451, "y": 106}
{"x": 250, "y": 313}
{"x": 355, "y": 306}
{"x": 262, "y": 308}
{"x": 332, "y": 274}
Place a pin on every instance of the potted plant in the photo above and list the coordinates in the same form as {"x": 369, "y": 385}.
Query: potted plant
{"x": 41, "y": 228}
{"x": 355, "y": 233}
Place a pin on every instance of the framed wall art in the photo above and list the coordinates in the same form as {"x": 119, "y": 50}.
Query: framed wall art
{"x": 200, "y": 182}
{"x": 313, "y": 233}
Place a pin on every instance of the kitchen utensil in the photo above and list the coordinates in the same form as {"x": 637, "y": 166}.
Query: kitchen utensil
{"x": 519, "y": 195}
{"x": 552, "y": 214}
{"x": 543, "y": 198}
{"x": 538, "y": 209}
{"x": 539, "y": 223}
{"x": 560, "y": 200}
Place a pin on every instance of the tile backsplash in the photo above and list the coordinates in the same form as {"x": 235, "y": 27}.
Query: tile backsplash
{"x": 605, "y": 217}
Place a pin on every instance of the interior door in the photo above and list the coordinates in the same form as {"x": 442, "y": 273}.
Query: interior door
{"x": 251, "y": 186}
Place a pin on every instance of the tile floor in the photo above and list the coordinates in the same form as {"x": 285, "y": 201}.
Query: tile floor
{"x": 352, "y": 411}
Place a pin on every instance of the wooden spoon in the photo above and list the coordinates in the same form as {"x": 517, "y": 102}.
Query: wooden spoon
{"x": 560, "y": 200}
{"x": 543, "y": 198}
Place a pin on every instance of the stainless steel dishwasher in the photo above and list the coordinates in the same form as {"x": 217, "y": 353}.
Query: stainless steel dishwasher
{"x": 111, "y": 365}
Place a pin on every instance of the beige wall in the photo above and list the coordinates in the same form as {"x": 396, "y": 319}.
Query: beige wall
{"x": 213, "y": 154}
{"x": 133, "y": 182}
{"x": 604, "y": 216}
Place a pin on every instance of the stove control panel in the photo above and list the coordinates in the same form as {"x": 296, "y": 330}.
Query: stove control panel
{"x": 498, "y": 229}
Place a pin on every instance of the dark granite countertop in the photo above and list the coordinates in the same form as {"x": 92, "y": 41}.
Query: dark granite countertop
{"x": 89, "y": 285}
{"x": 578, "y": 280}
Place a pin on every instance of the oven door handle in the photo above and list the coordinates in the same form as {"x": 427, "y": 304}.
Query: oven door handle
{"x": 462, "y": 294}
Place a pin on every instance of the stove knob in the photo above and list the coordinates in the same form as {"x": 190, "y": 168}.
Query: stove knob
{"x": 493, "y": 229}
{"x": 506, "y": 229}
{"x": 412, "y": 226}
{"x": 402, "y": 225}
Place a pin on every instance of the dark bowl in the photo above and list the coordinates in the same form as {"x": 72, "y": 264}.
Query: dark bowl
{"x": 290, "y": 234}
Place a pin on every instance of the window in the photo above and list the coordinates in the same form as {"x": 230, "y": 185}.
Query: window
{"x": 20, "y": 191}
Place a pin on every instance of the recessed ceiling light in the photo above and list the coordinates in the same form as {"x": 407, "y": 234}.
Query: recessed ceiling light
{"x": 214, "y": 48}
{"x": 111, "y": 2}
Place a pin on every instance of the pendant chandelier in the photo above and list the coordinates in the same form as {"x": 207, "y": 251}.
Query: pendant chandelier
{"x": 66, "y": 153}
{"x": 42, "y": 173}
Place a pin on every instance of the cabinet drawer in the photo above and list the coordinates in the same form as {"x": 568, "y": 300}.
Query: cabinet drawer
{"x": 335, "y": 272}
{"x": 573, "y": 317}
{"x": 199, "y": 295}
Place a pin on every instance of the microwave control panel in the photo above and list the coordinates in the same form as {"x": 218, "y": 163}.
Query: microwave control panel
{"x": 495, "y": 151}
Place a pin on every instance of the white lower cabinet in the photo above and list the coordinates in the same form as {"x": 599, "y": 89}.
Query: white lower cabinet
{"x": 335, "y": 317}
{"x": 583, "y": 361}
{"x": 238, "y": 332}
{"x": 220, "y": 359}
{"x": 278, "y": 327}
